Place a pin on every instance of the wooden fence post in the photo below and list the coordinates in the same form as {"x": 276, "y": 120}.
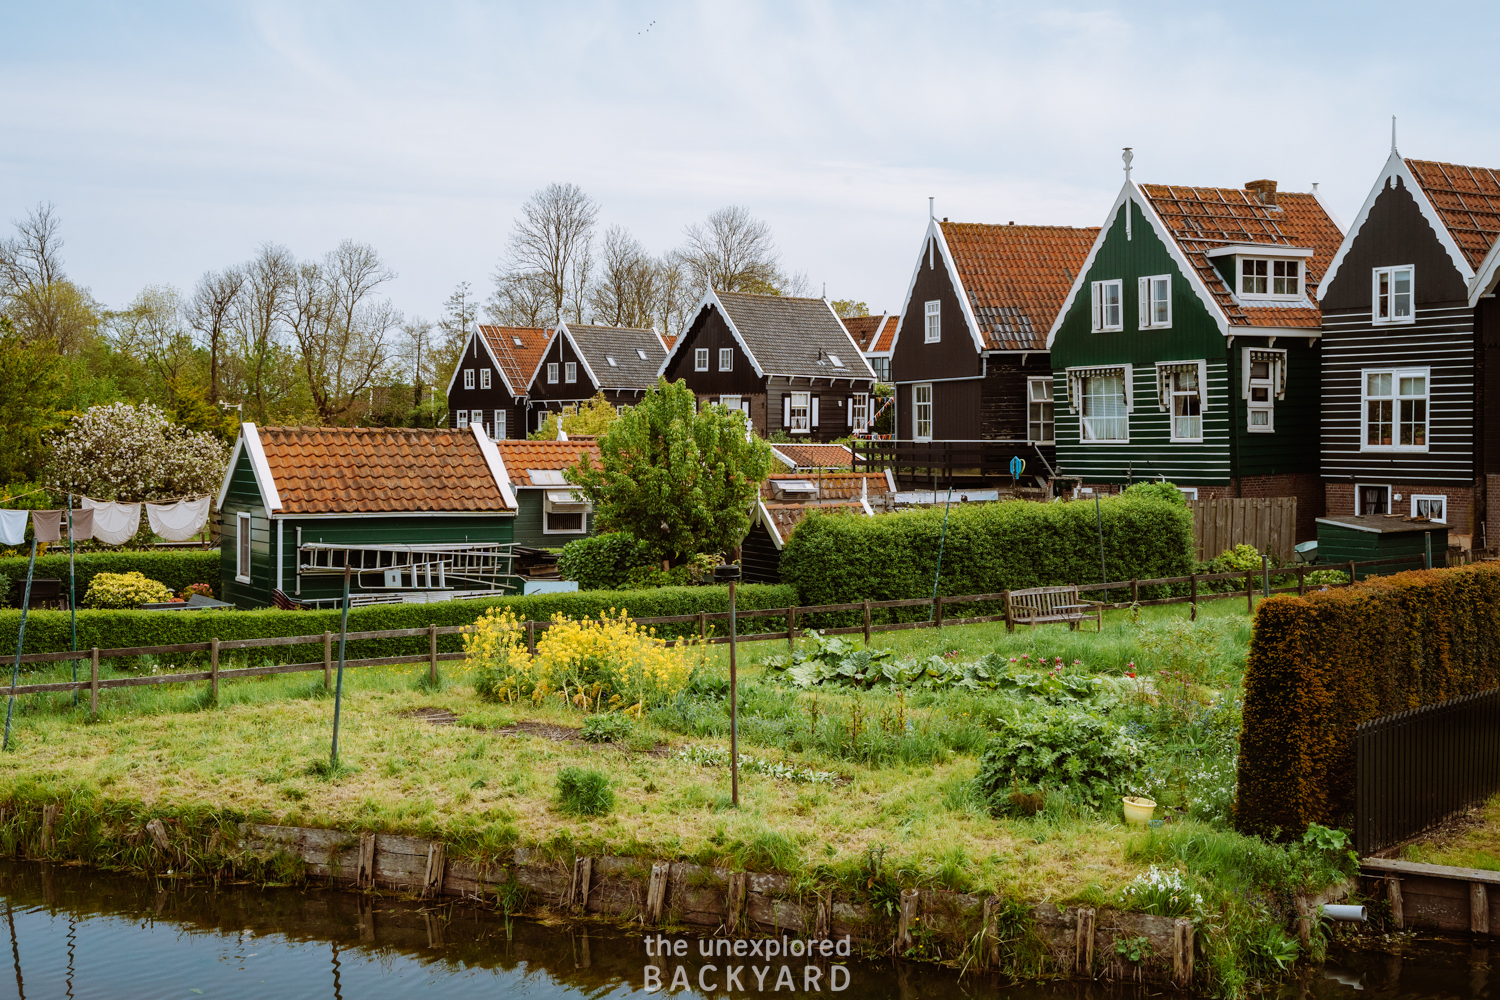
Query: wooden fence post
{"x": 432, "y": 652}
{"x": 1301, "y": 580}
{"x": 703, "y": 626}
{"x": 938, "y": 610}
{"x": 1135, "y": 591}
{"x": 1010, "y": 621}
{"x": 531, "y": 637}
{"x": 1249, "y": 590}
{"x": 213, "y": 668}
{"x": 1193, "y": 596}
{"x": 94, "y": 682}
{"x": 1351, "y": 572}
{"x": 867, "y": 621}
{"x": 327, "y": 661}
{"x": 791, "y": 628}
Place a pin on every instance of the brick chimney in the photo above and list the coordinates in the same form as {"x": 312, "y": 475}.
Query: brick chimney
{"x": 1263, "y": 190}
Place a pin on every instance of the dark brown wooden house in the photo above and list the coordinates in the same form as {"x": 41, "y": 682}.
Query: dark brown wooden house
{"x": 786, "y": 362}
{"x": 969, "y": 360}
{"x": 581, "y": 361}
{"x": 1411, "y": 352}
{"x": 489, "y": 387}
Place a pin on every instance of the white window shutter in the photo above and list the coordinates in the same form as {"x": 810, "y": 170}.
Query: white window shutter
{"x": 1163, "y": 387}
{"x": 1094, "y": 296}
{"x": 1143, "y": 302}
{"x": 1129, "y": 390}
{"x": 814, "y": 411}
{"x": 849, "y": 411}
{"x": 786, "y": 410}
{"x": 1203, "y": 386}
{"x": 1281, "y": 375}
{"x": 745, "y": 406}
{"x": 1244, "y": 373}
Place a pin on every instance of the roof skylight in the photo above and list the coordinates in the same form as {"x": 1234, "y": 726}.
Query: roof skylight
{"x": 642, "y": 354}
{"x": 516, "y": 340}
{"x": 612, "y": 362}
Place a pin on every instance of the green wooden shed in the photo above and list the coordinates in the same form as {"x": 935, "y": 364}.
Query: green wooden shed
{"x": 549, "y": 514}
{"x": 418, "y": 515}
{"x": 1363, "y": 537}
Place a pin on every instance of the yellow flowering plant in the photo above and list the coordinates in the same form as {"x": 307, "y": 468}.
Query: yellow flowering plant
{"x": 608, "y": 662}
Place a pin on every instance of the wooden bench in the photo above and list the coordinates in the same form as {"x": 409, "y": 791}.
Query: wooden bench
{"x": 1052, "y": 604}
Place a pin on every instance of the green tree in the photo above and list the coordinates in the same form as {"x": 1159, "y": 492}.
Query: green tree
{"x": 30, "y": 375}
{"x": 848, "y": 308}
{"x": 680, "y": 479}
{"x": 592, "y": 419}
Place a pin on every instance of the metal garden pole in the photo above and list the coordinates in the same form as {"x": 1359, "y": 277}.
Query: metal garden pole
{"x": 731, "y": 574}
{"x": 338, "y": 687}
{"x": 15, "y": 672}
{"x": 1099, "y": 518}
{"x": 73, "y": 597}
{"x": 942, "y": 539}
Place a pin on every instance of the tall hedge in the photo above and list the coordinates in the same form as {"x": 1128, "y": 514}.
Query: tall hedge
{"x": 48, "y": 631}
{"x": 1320, "y": 665}
{"x": 175, "y": 568}
{"x": 837, "y": 558}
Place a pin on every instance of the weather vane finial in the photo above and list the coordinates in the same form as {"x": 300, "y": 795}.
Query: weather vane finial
{"x": 1127, "y": 156}
{"x": 1393, "y": 133}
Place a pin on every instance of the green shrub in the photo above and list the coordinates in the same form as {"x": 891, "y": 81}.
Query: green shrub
{"x": 583, "y": 791}
{"x": 1166, "y": 492}
{"x": 1242, "y": 557}
{"x": 48, "y": 631}
{"x": 124, "y": 590}
{"x": 1320, "y": 665}
{"x": 603, "y": 562}
{"x": 989, "y": 548}
{"x": 1056, "y": 749}
{"x": 1327, "y": 578}
{"x": 610, "y": 728}
{"x": 177, "y": 569}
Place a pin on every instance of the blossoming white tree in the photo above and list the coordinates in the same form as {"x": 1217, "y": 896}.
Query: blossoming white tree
{"x": 134, "y": 453}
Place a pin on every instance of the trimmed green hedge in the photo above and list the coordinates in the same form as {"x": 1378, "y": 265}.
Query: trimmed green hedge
{"x": 48, "y": 631}
{"x": 837, "y": 559}
{"x": 175, "y": 568}
{"x": 1322, "y": 664}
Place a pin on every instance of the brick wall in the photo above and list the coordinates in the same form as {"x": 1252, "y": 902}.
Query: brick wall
{"x": 1462, "y": 529}
{"x": 1306, "y": 487}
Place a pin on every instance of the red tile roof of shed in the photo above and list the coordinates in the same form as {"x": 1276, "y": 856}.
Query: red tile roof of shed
{"x": 520, "y": 456}
{"x": 1468, "y": 201}
{"x": 367, "y": 470}
{"x": 1017, "y": 277}
{"x": 1204, "y": 218}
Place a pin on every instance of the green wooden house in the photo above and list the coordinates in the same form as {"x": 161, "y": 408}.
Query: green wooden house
{"x": 416, "y": 514}
{"x": 1188, "y": 346}
{"x": 549, "y": 514}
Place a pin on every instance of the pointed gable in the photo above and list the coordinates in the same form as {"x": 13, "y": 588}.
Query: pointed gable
{"x": 1467, "y": 199}
{"x": 517, "y": 350}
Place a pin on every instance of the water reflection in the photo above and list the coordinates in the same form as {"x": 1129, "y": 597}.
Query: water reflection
{"x": 76, "y": 932}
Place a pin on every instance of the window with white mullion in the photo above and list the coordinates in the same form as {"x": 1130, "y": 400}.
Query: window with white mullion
{"x": 1269, "y": 278}
{"x": 1155, "y": 301}
{"x": 1393, "y": 294}
{"x": 1394, "y": 411}
{"x": 1103, "y": 413}
{"x": 800, "y": 408}
{"x": 1108, "y": 308}
{"x": 1182, "y": 388}
{"x": 932, "y": 331}
{"x": 1041, "y": 422}
{"x": 921, "y": 406}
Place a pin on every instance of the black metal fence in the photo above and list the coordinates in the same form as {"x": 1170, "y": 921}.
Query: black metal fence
{"x": 1417, "y": 768}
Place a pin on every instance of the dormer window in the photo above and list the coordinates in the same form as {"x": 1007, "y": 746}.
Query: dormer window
{"x": 1268, "y": 278}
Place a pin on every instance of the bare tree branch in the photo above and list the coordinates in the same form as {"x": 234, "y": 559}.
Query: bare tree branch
{"x": 209, "y": 311}
{"x": 552, "y": 240}
{"x": 732, "y": 252}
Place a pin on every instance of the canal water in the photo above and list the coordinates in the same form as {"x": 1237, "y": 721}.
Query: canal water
{"x": 77, "y": 932}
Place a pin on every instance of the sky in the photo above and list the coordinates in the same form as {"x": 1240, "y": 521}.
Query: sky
{"x": 174, "y": 138}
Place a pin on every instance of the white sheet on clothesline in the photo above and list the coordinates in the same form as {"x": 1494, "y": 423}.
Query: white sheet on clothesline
{"x": 180, "y": 521}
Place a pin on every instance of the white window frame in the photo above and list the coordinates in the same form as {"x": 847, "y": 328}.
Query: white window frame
{"x": 547, "y": 528}
{"x": 1441, "y": 498}
{"x": 1359, "y": 489}
{"x": 1390, "y": 274}
{"x": 1168, "y": 393}
{"x": 918, "y": 405}
{"x": 552, "y": 373}
{"x": 700, "y": 359}
{"x": 1039, "y": 394}
{"x": 1102, "y": 306}
{"x": 1396, "y": 399}
{"x": 476, "y": 419}
{"x": 463, "y": 419}
{"x": 1154, "y": 302}
{"x": 932, "y": 322}
{"x": 1272, "y": 265}
{"x": 570, "y": 372}
{"x": 468, "y": 378}
{"x": 499, "y": 434}
{"x": 799, "y": 402}
{"x": 1077, "y": 377}
{"x": 726, "y": 359}
{"x": 859, "y": 412}
{"x": 882, "y": 369}
{"x": 1188, "y": 492}
{"x": 484, "y": 378}
{"x": 242, "y": 548}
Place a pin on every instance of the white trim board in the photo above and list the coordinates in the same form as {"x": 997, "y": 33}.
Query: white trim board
{"x": 497, "y": 465}
{"x": 935, "y": 231}
{"x": 710, "y": 299}
{"x": 588, "y": 368}
{"x": 264, "y": 481}
{"x": 1395, "y": 166}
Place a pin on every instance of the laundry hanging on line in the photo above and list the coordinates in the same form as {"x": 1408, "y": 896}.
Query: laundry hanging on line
{"x": 114, "y": 523}
{"x": 13, "y": 527}
{"x": 180, "y": 521}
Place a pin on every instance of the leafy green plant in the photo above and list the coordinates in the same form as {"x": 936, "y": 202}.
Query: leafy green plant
{"x": 1164, "y": 892}
{"x": 1083, "y": 755}
{"x": 604, "y": 561}
{"x": 1273, "y": 946}
{"x": 1242, "y": 558}
{"x": 125, "y": 590}
{"x": 177, "y": 569}
{"x": 1327, "y": 578}
{"x": 1133, "y": 949}
{"x": 608, "y": 728}
{"x": 584, "y": 792}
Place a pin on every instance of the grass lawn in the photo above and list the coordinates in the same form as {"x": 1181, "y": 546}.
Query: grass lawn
{"x": 1473, "y": 845}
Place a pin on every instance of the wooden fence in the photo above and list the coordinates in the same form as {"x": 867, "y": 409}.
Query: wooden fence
{"x": 1418, "y": 768}
{"x": 1268, "y": 523}
{"x": 1255, "y": 582}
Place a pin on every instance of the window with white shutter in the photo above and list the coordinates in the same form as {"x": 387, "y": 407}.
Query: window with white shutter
{"x": 484, "y": 378}
{"x": 1108, "y": 306}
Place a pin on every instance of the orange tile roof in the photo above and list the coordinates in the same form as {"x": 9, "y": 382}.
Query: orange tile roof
{"x": 873, "y": 333}
{"x": 365, "y": 470}
{"x": 517, "y": 361}
{"x": 834, "y": 486}
{"x": 669, "y": 340}
{"x": 1203, "y": 219}
{"x": 816, "y": 456}
{"x": 786, "y": 516}
{"x": 520, "y": 456}
{"x": 1017, "y": 277}
{"x": 1468, "y": 201}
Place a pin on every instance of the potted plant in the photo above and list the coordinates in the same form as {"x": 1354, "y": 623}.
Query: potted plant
{"x": 1138, "y": 809}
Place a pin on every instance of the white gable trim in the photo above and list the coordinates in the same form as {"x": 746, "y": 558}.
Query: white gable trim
{"x": 764, "y": 517}
{"x": 499, "y": 368}
{"x": 1485, "y": 279}
{"x": 234, "y": 457}
{"x": 935, "y": 231}
{"x": 542, "y": 360}
{"x": 1128, "y": 194}
{"x": 563, "y": 327}
{"x": 264, "y": 481}
{"x": 713, "y": 300}
{"x": 1395, "y": 167}
{"x": 496, "y": 463}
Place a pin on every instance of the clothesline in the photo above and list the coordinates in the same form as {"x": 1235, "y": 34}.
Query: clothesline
{"x": 108, "y": 521}
{"x": 190, "y": 496}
